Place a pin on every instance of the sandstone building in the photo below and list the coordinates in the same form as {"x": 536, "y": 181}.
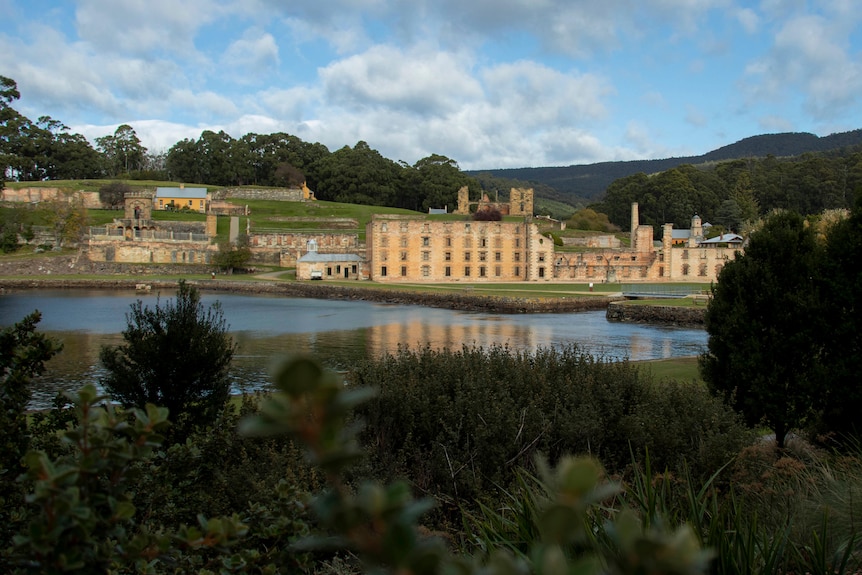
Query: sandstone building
{"x": 416, "y": 249}
{"x": 411, "y": 249}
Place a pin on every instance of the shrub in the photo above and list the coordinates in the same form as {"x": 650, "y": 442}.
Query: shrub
{"x": 458, "y": 424}
{"x": 178, "y": 356}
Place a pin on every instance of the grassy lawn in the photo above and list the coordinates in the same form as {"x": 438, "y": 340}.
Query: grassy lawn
{"x": 680, "y": 369}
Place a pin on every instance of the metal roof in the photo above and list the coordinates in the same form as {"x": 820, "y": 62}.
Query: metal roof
{"x": 182, "y": 193}
{"x": 324, "y": 258}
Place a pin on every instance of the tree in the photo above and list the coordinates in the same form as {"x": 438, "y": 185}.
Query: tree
{"x": 763, "y": 351}
{"x": 842, "y": 277}
{"x": 23, "y": 353}
{"x": 123, "y": 150}
{"x": 177, "y": 355}
{"x": 68, "y": 219}
{"x": 113, "y": 194}
{"x": 233, "y": 256}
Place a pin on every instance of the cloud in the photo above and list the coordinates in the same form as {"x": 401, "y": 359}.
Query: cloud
{"x": 252, "y": 56}
{"x": 810, "y": 55}
{"x": 426, "y": 83}
{"x": 748, "y": 19}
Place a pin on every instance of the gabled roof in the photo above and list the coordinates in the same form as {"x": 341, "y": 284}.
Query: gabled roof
{"x": 317, "y": 257}
{"x": 724, "y": 239}
{"x": 680, "y": 234}
{"x": 182, "y": 193}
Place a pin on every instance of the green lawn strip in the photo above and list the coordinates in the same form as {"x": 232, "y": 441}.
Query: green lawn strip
{"x": 679, "y": 368}
{"x": 671, "y": 302}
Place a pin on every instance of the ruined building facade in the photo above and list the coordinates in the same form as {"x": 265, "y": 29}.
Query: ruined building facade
{"x": 415, "y": 249}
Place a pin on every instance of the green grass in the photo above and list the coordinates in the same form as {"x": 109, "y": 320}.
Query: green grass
{"x": 680, "y": 368}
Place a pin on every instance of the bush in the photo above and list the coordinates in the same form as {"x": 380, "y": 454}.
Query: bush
{"x": 178, "y": 356}
{"x": 458, "y": 424}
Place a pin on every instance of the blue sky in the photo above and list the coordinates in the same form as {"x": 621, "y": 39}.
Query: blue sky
{"x": 488, "y": 83}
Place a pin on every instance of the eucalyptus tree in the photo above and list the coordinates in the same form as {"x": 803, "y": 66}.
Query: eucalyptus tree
{"x": 123, "y": 150}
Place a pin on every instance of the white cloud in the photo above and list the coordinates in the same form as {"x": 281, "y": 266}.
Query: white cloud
{"x": 748, "y": 19}
{"x": 252, "y": 55}
{"x": 810, "y": 56}
{"x": 424, "y": 82}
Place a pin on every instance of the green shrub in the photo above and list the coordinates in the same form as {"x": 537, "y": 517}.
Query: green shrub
{"x": 459, "y": 423}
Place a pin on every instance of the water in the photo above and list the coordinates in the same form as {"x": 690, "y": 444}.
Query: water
{"x": 338, "y": 333}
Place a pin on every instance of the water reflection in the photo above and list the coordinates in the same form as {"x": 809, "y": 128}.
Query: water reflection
{"x": 339, "y": 333}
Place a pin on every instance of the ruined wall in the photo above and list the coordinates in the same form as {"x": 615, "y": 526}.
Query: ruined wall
{"x": 283, "y": 249}
{"x": 158, "y": 252}
{"x": 602, "y": 241}
{"x": 39, "y": 194}
{"x": 279, "y": 194}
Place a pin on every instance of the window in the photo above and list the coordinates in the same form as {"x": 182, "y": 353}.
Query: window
{"x": 685, "y": 269}
{"x": 466, "y": 256}
{"x": 468, "y": 242}
{"x": 383, "y": 271}
{"x": 384, "y": 241}
{"x": 447, "y": 271}
{"x": 384, "y": 227}
{"x": 702, "y": 271}
{"x": 498, "y": 243}
{"x": 482, "y": 271}
{"x": 190, "y": 203}
{"x": 404, "y": 226}
{"x": 517, "y": 271}
{"x": 466, "y": 271}
{"x": 542, "y": 257}
{"x": 403, "y": 271}
{"x": 498, "y": 257}
{"x": 483, "y": 242}
{"x": 403, "y": 256}
{"x": 517, "y": 256}
{"x": 483, "y": 256}
{"x": 498, "y": 271}
{"x": 403, "y": 241}
{"x": 426, "y": 271}
{"x": 448, "y": 241}
{"x": 384, "y": 256}
{"x": 685, "y": 254}
{"x": 426, "y": 256}
{"x": 447, "y": 256}
{"x": 426, "y": 241}
{"x": 517, "y": 242}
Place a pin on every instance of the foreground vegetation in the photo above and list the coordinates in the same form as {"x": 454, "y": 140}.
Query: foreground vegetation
{"x": 667, "y": 478}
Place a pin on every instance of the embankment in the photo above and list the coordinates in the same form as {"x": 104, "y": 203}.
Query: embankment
{"x": 656, "y": 314}
{"x": 318, "y": 290}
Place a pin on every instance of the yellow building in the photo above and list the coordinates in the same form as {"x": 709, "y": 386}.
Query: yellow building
{"x": 414, "y": 249}
{"x": 182, "y": 198}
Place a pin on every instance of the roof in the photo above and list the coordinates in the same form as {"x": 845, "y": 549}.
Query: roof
{"x": 182, "y": 193}
{"x": 680, "y": 234}
{"x": 324, "y": 258}
{"x": 724, "y": 239}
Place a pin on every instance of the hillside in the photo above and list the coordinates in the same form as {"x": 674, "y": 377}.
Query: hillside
{"x": 589, "y": 182}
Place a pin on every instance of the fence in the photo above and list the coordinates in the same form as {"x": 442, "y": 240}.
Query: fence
{"x": 108, "y": 232}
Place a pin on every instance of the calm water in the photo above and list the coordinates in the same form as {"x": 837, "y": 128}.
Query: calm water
{"x": 337, "y": 332}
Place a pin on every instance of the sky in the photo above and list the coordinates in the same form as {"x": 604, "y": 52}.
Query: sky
{"x": 487, "y": 83}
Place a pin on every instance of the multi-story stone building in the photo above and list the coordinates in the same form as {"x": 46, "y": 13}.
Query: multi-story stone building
{"x": 416, "y": 249}
{"x": 411, "y": 249}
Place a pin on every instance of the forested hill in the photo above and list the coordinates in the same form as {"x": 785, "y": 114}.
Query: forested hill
{"x": 590, "y": 181}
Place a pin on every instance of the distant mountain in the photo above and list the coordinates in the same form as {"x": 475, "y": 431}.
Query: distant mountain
{"x": 589, "y": 182}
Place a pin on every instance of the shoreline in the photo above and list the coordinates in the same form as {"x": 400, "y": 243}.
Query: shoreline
{"x": 454, "y": 301}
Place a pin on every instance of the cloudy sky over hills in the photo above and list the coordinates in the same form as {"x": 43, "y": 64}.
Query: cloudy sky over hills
{"x": 488, "y": 83}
